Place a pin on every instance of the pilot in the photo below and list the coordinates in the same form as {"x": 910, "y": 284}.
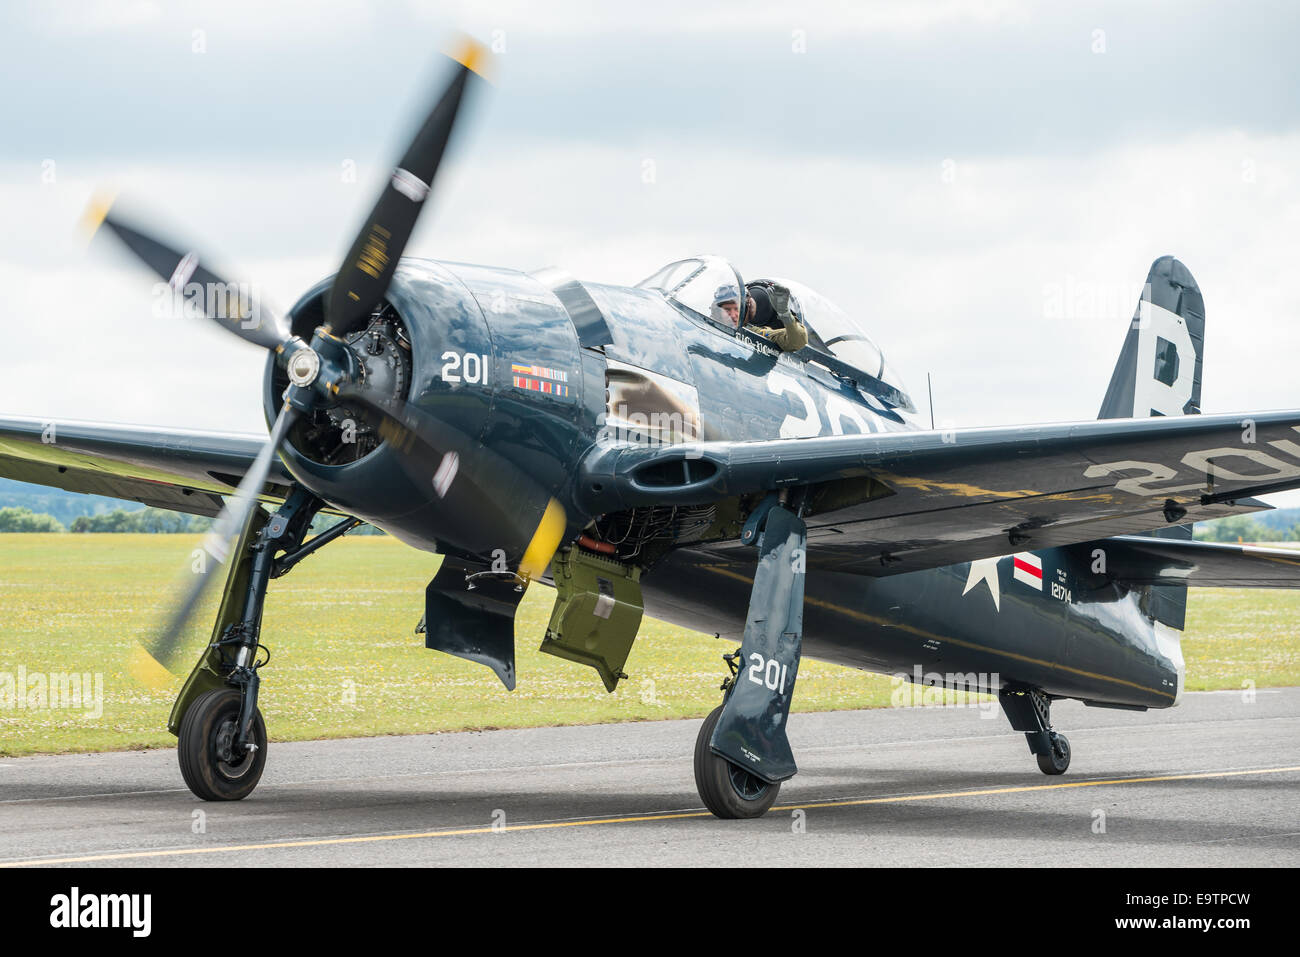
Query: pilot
{"x": 767, "y": 313}
{"x": 726, "y": 306}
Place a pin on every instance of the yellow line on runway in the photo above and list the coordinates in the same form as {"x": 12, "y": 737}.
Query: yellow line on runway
{"x": 1035, "y": 787}
{"x": 586, "y": 822}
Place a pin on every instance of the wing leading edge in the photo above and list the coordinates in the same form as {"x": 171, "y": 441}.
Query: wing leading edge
{"x": 888, "y": 503}
{"x": 166, "y": 468}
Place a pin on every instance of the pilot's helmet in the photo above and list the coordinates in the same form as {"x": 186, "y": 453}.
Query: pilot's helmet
{"x": 723, "y": 295}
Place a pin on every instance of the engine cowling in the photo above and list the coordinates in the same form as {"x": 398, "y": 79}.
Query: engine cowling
{"x": 451, "y": 343}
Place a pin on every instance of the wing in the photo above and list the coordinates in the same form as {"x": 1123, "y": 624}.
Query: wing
{"x": 1161, "y": 561}
{"x": 165, "y": 468}
{"x": 887, "y": 503}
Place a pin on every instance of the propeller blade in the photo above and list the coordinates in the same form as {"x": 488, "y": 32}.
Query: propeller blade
{"x": 216, "y": 545}
{"x": 363, "y": 280}
{"x": 228, "y": 304}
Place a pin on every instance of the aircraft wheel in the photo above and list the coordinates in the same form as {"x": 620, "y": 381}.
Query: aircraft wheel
{"x": 727, "y": 790}
{"x": 206, "y": 744}
{"x": 1056, "y": 763}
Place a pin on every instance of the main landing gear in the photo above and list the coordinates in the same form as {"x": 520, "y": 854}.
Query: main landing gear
{"x": 1029, "y": 710}
{"x": 221, "y": 737}
{"x": 727, "y": 789}
{"x": 214, "y": 764}
{"x": 742, "y": 754}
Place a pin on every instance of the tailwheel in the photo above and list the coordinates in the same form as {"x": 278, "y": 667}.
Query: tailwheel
{"x": 726, "y": 789}
{"x": 1030, "y": 710}
{"x": 215, "y": 768}
{"x": 1058, "y": 759}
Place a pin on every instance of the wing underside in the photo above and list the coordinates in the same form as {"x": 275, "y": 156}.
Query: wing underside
{"x": 165, "y": 468}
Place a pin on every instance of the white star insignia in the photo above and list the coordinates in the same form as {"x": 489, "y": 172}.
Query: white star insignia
{"x": 986, "y": 569}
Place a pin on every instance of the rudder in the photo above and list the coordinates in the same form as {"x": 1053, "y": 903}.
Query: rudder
{"x": 1159, "y": 368}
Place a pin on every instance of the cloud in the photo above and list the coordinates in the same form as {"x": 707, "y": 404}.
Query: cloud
{"x": 892, "y": 80}
{"x": 722, "y": 17}
{"x": 1012, "y": 281}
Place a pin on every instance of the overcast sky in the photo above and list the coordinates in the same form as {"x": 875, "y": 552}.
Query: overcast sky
{"x": 984, "y": 183}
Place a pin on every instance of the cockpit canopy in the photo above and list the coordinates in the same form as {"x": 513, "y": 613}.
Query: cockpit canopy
{"x": 706, "y": 285}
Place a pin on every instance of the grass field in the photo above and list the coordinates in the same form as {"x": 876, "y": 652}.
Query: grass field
{"x": 346, "y": 661}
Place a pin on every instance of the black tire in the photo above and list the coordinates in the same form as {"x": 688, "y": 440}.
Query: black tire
{"x": 212, "y": 717}
{"x": 1056, "y": 763}
{"x": 727, "y": 790}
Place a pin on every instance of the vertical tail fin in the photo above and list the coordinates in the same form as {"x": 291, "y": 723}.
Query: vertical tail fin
{"x": 1159, "y": 373}
{"x": 1159, "y": 368}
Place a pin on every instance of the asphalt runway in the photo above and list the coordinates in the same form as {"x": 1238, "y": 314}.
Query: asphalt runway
{"x": 1213, "y": 782}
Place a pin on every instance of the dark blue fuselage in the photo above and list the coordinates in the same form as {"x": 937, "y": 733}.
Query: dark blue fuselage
{"x": 1037, "y": 619}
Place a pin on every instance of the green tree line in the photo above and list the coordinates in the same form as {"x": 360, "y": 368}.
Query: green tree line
{"x": 1244, "y": 528}
{"x": 1235, "y": 528}
{"x": 149, "y": 520}
{"x": 156, "y": 521}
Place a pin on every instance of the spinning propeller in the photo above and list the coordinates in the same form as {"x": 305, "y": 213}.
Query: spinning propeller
{"x": 316, "y": 374}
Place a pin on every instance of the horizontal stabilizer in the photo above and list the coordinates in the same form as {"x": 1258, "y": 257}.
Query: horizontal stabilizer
{"x": 1139, "y": 560}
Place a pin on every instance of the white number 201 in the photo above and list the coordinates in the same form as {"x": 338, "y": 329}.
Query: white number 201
{"x": 768, "y": 673}
{"x": 473, "y": 368}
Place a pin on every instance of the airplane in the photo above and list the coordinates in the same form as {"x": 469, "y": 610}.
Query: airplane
{"x": 645, "y": 456}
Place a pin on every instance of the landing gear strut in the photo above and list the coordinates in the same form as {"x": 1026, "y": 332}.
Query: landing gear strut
{"x": 1029, "y": 710}
{"x": 742, "y": 754}
{"x": 221, "y": 737}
